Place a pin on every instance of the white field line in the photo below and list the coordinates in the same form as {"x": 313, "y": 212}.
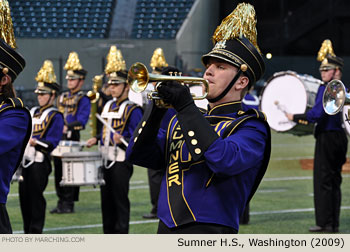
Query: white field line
{"x": 302, "y": 210}
{"x": 146, "y": 186}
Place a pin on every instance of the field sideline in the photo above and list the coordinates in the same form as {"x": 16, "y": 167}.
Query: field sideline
{"x": 283, "y": 203}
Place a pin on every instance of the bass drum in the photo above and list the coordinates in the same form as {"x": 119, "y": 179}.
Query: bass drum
{"x": 346, "y": 118}
{"x": 289, "y": 92}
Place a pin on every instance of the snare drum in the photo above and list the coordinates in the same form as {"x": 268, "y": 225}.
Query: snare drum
{"x": 346, "y": 118}
{"x": 65, "y": 146}
{"x": 292, "y": 93}
{"x": 82, "y": 168}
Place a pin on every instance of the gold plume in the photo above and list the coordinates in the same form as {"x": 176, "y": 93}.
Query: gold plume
{"x": 115, "y": 61}
{"x": 158, "y": 59}
{"x": 46, "y": 73}
{"x": 326, "y": 48}
{"x": 6, "y": 26}
{"x": 73, "y": 62}
{"x": 241, "y": 22}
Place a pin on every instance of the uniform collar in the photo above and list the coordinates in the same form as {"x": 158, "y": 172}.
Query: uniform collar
{"x": 74, "y": 93}
{"x": 119, "y": 101}
{"x": 44, "y": 107}
{"x": 226, "y": 108}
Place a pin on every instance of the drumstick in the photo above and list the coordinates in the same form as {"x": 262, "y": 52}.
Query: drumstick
{"x": 42, "y": 144}
{"x": 111, "y": 129}
{"x": 280, "y": 107}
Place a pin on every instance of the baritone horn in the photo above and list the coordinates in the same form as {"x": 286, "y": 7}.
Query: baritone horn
{"x": 335, "y": 97}
{"x": 139, "y": 77}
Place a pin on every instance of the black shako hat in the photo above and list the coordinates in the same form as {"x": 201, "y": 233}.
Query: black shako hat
{"x": 46, "y": 79}
{"x": 236, "y": 43}
{"x": 328, "y": 58}
{"x": 10, "y": 60}
{"x": 116, "y": 67}
{"x": 74, "y": 68}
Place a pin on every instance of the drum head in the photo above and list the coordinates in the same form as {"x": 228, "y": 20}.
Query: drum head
{"x": 285, "y": 92}
{"x": 346, "y": 118}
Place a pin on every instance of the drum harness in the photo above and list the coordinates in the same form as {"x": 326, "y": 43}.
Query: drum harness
{"x": 30, "y": 153}
{"x": 112, "y": 153}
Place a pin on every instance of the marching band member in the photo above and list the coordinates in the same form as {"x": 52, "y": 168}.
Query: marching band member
{"x": 214, "y": 161}
{"x": 75, "y": 106}
{"x": 47, "y": 132}
{"x": 122, "y": 117}
{"x": 15, "y": 120}
{"x": 159, "y": 66}
{"x": 330, "y": 146}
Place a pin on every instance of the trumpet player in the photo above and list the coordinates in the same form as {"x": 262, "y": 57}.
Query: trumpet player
{"x": 214, "y": 161}
{"x": 330, "y": 146}
{"x": 122, "y": 117}
{"x": 36, "y": 165}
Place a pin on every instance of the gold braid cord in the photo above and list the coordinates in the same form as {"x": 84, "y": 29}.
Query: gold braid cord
{"x": 6, "y": 25}
{"x": 46, "y": 73}
{"x": 115, "y": 61}
{"x": 241, "y": 22}
{"x": 73, "y": 62}
{"x": 326, "y": 48}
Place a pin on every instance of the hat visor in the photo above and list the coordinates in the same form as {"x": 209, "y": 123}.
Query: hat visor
{"x": 74, "y": 77}
{"x": 209, "y": 55}
{"x": 326, "y": 67}
{"x": 43, "y": 91}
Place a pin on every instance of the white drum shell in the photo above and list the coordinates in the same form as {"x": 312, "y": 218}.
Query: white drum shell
{"x": 290, "y": 92}
{"x": 81, "y": 168}
{"x": 346, "y": 118}
{"x": 66, "y": 146}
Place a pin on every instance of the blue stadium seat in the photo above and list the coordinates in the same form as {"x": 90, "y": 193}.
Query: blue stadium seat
{"x": 62, "y": 18}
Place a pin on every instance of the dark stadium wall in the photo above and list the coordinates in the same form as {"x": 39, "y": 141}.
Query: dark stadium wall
{"x": 194, "y": 37}
{"x": 91, "y": 52}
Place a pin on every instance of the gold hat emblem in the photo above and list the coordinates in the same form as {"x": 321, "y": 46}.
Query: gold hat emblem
{"x": 220, "y": 45}
{"x": 158, "y": 59}
{"x": 6, "y": 26}
{"x": 46, "y": 73}
{"x": 241, "y": 22}
{"x": 73, "y": 62}
{"x": 115, "y": 61}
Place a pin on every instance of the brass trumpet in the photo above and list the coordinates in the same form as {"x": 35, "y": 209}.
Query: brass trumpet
{"x": 335, "y": 97}
{"x": 138, "y": 78}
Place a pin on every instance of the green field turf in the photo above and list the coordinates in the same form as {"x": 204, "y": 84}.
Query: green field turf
{"x": 283, "y": 203}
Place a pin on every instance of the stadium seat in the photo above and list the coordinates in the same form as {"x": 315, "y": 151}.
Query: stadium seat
{"x": 61, "y": 19}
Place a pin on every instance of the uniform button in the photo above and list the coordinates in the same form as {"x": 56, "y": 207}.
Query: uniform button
{"x": 197, "y": 151}
{"x": 135, "y": 139}
{"x": 143, "y": 123}
{"x": 194, "y": 141}
{"x": 191, "y": 133}
{"x": 140, "y": 130}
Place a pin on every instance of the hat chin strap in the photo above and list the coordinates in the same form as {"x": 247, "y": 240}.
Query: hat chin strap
{"x": 227, "y": 89}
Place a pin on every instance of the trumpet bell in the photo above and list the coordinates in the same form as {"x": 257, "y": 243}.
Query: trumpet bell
{"x": 138, "y": 77}
{"x": 335, "y": 97}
